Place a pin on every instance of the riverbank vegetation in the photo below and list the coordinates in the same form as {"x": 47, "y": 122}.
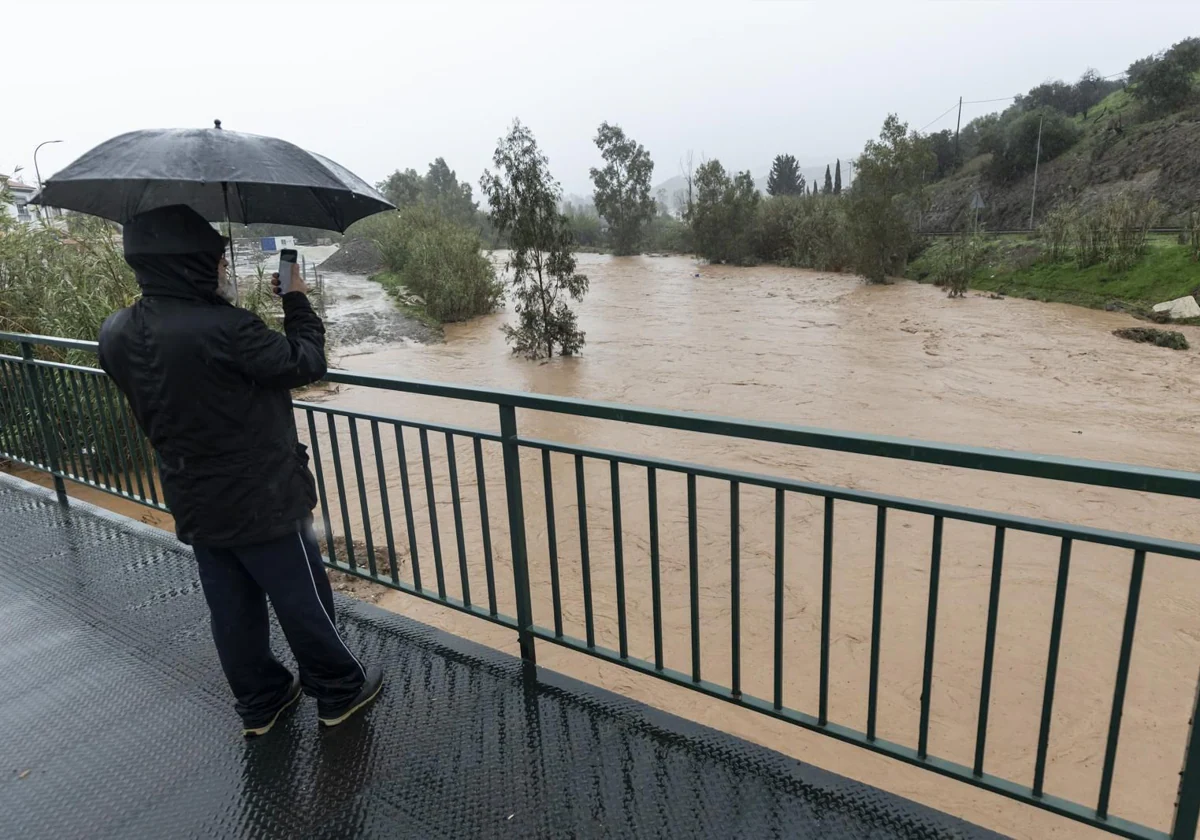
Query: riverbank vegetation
{"x": 62, "y": 282}
{"x": 1021, "y": 265}
{"x": 1100, "y": 254}
{"x": 66, "y": 281}
{"x": 435, "y": 268}
{"x": 1090, "y": 246}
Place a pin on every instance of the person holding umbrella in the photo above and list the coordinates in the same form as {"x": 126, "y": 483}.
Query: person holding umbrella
{"x": 209, "y": 384}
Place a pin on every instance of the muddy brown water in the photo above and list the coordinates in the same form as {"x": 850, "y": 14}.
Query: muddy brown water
{"x": 802, "y": 347}
{"x": 825, "y": 350}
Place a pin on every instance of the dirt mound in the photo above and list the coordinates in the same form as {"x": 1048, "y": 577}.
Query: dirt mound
{"x": 356, "y": 256}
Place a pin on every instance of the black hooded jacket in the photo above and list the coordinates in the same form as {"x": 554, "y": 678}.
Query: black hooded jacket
{"x": 209, "y": 385}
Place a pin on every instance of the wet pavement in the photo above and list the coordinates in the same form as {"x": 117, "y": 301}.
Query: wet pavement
{"x": 118, "y": 724}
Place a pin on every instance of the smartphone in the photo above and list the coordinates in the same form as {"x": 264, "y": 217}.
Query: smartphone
{"x": 287, "y": 260}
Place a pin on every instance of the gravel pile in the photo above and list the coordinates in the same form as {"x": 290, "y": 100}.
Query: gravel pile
{"x": 356, "y": 256}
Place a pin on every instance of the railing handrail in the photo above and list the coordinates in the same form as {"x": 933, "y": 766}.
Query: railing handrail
{"x": 1053, "y": 467}
{"x": 67, "y": 420}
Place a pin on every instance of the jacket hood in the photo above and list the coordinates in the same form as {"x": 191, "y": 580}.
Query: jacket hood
{"x": 174, "y": 252}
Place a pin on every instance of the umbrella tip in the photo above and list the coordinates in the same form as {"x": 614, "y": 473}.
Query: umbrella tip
{"x": 216, "y": 123}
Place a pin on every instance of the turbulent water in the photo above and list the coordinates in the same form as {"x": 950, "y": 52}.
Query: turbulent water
{"x": 825, "y": 350}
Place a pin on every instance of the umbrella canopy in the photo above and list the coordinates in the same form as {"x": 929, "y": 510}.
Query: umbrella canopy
{"x": 219, "y": 174}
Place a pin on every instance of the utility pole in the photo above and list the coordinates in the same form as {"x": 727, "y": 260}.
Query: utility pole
{"x": 1036, "y": 161}
{"x": 957, "y": 126}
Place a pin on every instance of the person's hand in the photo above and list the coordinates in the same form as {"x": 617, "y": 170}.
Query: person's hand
{"x": 297, "y": 285}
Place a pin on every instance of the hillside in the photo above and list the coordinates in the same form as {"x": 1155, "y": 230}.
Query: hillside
{"x": 1161, "y": 157}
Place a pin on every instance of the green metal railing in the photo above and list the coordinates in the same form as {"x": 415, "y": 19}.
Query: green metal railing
{"x": 69, "y": 421}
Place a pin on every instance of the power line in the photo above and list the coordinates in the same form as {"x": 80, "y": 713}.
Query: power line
{"x": 983, "y": 101}
{"x": 997, "y": 99}
{"x": 935, "y": 119}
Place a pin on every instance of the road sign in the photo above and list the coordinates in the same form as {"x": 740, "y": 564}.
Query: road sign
{"x": 977, "y": 201}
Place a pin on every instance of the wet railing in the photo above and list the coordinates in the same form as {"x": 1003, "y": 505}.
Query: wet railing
{"x": 68, "y": 420}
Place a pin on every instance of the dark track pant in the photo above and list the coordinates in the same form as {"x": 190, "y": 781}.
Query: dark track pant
{"x": 237, "y": 582}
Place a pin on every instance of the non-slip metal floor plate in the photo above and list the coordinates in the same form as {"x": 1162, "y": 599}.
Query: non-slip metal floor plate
{"x": 115, "y": 722}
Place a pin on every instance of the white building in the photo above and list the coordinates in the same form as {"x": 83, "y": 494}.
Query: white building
{"x": 16, "y": 202}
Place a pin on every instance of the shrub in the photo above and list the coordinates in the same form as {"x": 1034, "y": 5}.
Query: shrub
{"x": 953, "y": 267}
{"x": 1113, "y": 230}
{"x": 778, "y": 217}
{"x": 1057, "y": 229}
{"x": 63, "y": 283}
{"x": 436, "y": 259}
{"x": 447, "y": 268}
{"x": 666, "y": 233}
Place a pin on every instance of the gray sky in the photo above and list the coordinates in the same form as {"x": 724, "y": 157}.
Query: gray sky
{"x": 383, "y": 85}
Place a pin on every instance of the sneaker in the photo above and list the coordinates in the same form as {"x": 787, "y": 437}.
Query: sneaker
{"x": 288, "y": 702}
{"x": 365, "y": 696}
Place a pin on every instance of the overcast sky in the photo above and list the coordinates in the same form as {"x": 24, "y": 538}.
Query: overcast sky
{"x": 383, "y": 85}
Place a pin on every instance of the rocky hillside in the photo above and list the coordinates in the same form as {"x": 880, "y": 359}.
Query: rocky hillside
{"x": 1161, "y": 157}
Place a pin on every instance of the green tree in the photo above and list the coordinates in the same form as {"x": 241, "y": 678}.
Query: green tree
{"x": 623, "y": 187}
{"x": 885, "y": 198}
{"x": 725, "y": 214}
{"x": 1015, "y": 150}
{"x": 1186, "y": 53}
{"x": 439, "y": 187}
{"x": 402, "y": 188}
{"x": 1166, "y": 85}
{"x": 524, "y": 202}
{"x": 785, "y": 177}
{"x": 454, "y": 198}
{"x": 837, "y": 178}
{"x": 828, "y": 188}
{"x": 941, "y": 143}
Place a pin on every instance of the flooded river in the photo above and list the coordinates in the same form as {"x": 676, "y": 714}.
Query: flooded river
{"x": 825, "y": 350}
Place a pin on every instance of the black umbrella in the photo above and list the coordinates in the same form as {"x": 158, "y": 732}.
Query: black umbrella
{"x": 222, "y": 175}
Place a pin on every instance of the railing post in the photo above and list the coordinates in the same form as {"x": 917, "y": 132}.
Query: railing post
{"x": 49, "y": 439}
{"x": 516, "y": 528}
{"x": 1187, "y": 803}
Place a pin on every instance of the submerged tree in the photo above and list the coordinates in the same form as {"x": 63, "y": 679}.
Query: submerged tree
{"x": 524, "y": 202}
{"x": 623, "y": 187}
{"x": 785, "y": 177}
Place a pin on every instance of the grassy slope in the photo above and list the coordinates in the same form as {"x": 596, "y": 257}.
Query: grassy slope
{"x": 394, "y": 286}
{"x": 1164, "y": 273}
{"x": 1100, "y": 161}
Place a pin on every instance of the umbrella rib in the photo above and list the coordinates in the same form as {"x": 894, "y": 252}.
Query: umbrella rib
{"x": 332, "y": 210}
